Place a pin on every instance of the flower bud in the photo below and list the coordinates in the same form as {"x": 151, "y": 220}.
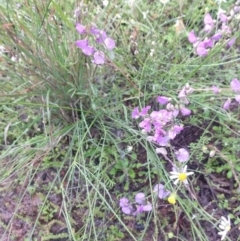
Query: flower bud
{"x": 212, "y": 153}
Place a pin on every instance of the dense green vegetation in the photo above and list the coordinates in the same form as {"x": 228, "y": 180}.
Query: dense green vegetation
{"x": 100, "y": 101}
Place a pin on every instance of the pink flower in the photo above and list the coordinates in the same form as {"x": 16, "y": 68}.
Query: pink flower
{"x": 235, "y": 85}
{"x": 182, "y": 155}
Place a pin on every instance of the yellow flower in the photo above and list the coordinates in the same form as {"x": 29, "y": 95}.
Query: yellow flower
{"x": 172, "y": 198}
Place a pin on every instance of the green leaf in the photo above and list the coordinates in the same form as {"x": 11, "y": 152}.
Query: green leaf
{"x": 229, "y": 174}
{"x": 237, "y": 167}
{"x": 131, "y": 174}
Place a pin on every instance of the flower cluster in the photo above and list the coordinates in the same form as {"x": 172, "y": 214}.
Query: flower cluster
{"x": 202, "y": 46}
{"x": 100, "y": 37}
{"x": 141, "y": 205}
{"x": 160, "y": 125}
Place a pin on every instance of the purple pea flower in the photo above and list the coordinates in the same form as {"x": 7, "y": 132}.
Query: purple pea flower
{"x": 161, "y": 140}
{"x": 223, "y": 17}
{"x": 145, "y": 110}
{"x": 226, "y": 104}
{"x": 231, "y": 42}
{"x": 94, "y": 30}
{"x": 109, "y": 43}
{"x": 175, "y": 112}
{"x": 101, "y": 36}
{"x": 160, "y": 137}
{"x": 126, "y": 206}
{"x": 143, "y": 208}
{"x": 237, "y": 98}
{"x": 146, "y": 125}
{"x": 83, "y": 45}
{"x": 99, "y": 58}
{"x": 215, "y": 89}
{"x": 236, "y": 9}
{"x": 208, "y": 43}
{"x": 182, "y": 155}
{"x": 185, "y": 111}
{"x": 76, "y": 12}
{"x": 174, "y": 131}
{"x": 163, "y": 100}
{"x": 192, "y": 37}
{"x": 209, "y": 23}
{"x": 80, "y": 28}
{"x": 161, "y": 191}
{"x": 235, "y": 85}
{"x": 201, "y": 49}
{"x": 185, "y": 91}
{"x": 135, "y": 113}
{"x": 216, "y": 36}
{"x": 226, "y": 29}
{"x": 140, "y": 198}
